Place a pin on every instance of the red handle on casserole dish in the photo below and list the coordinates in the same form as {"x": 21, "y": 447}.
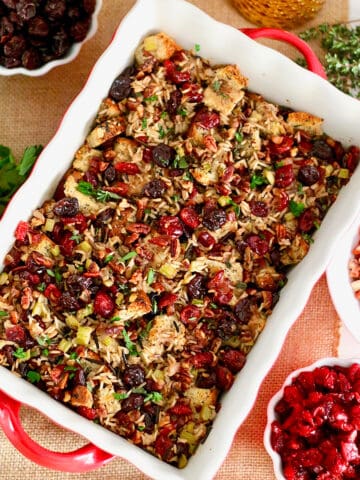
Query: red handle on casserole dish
{"x": 312, "y": 61}
{"x": 82, "y": 460}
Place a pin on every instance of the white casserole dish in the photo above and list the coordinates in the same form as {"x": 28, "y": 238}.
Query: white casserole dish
{"x": 279, "y": 80}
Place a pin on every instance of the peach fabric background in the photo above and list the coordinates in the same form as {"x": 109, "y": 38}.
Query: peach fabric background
{"x": 30, "y": 112}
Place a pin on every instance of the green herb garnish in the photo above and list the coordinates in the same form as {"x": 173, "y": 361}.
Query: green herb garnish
{"x": 153, "y": 98}
{"x": 120, "y": 396}
{"x": 197, "y": 48}
{"x": 153, "y": 397}
{"x": 33, "y": 376}
{"x": 101, "y": 195}
{"x": 182, "y": 112}
{"x": 130, "y": 345}
{"x": 77, "y": 237}
{"x": 128, "y": 256}
{"x": 161, "y": 132}
{"x": 3, "y": 313}
{"x": 216, "y": 86}
{"x": 239, "y": 137}
{"x": 13, "y": 174}
{"x": 109, "y": 257}
{"x": 150, "y": 276}
{"x": 19, "y": 353}
{"x": 257, "y": 180}
{"x": 296, "y": 208}
{"x": 144, "y": 123}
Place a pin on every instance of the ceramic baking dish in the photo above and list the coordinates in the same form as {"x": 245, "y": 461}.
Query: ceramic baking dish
{"x": 279, "y": 80}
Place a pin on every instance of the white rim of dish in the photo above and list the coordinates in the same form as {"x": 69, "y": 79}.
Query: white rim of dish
{"x": 71, "y": 55}
{"x": 326, "y": 361}
{"x": 339, "y": 282}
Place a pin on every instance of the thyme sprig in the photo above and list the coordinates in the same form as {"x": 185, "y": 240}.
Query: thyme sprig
{"x": 341, "y": 46}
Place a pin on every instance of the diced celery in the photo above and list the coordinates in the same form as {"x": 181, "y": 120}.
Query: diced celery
{"x": 270, "y": 176}
{"x": 206, "y": 413}
{"x": 182, "y": 462}
{"x": 3, "y": 278}
{"x": 223, "y": 201}
{"x": 119, "y": 299}
{"x": 72, "y": 322}
{"x": 83, "y": 335}
{"x": 168, "y": 270}
{"x": 84, "y": 247}
{"x": 49, "y": 225}
{"x": 65, "y": 345}
{"x": 289, "y": 217}
{"x": 55, "y": 250}
{"x": 85, "y": 312}
{"x": 106, "y": 341}
{"x": 343, "y": 173}
{"x": 328, "y": 170}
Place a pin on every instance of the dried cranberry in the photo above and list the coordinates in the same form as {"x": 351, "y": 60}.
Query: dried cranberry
{"x": 16, "y": 334}
{"x": 132, "y": 402}
{"x": 104, "y": 217}
{"x": 189, "y": 216}
{"x": 163, "y": 155}
{"x": 306, "y": 221}
{"x": 127, "y": 167}
{"x": 163, "y": 444}
{"x": 242, "y": 310}
{"x": 15, "y": 47}
{"x": 89, "y": 6}
{"x": 224, "y": 378}
{"x": 174, "y": 102}
{"x": 207, "y": 119}
{"x": 281, "y": 200}
{"x": 103, "y": 305}
{"x": 89, "y": 413}
{"x": 234, "y": 360}
{"x": 206, "y": 240}
{"x": 171, "y": 225}
{"x": 284, "y": 176}
{"x": 214, "y": 219}
{"x": 121, "y": 86}
{"x": 38, "y": 27}
{"x": 192, "y": 93}
{"x": 21, "y": 231}
{"x": 55, "y": 9}
{"x": 308, "y": 175}
{"x": 155, "y": 189}
{"x": 174, "y": 75}
{"x": 133, "y": 376}
{"x": 167, "y": 299}
{"x": 206, "y": 380}
{"x": 282, "y": 147}
{"x": 322, "y": 150}
{"x": 258, "y": 208}
{"x": 196, "y": 288}
{"x": 69, "y": 302}
{"x": 26, "y": 9}
{"x": 67, "y": 207}
{"x": 190, "y": 315}
{"x": 257, "y": 244}
{"x": 79, "y": 29}
{"x": 30, "y": 59}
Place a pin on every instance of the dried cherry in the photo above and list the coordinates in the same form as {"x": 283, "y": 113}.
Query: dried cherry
{"x": 308, "y": 175}
{"x": 67, "y": 207}
{"x": 214, "y": 219}
{"x": 163, "y": 155}
{"x": 155, "y": 188}
{"x": 196, "y": 288}
{"x": 121, "y": 86}
{"x": 174, "y": 102}
{"x": 103, "y": 305}
{"x": 133, "y": 376}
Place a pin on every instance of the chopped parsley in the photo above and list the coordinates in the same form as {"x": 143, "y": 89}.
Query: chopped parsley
{"x": 128, "y": 256}
{"x": 180, "y": 162}
{"x": 109, "y": 257}
{"x": 161, "y": 132}
{"x": 19, "y": 353}
{"x": 153, "y": 397}
{"x": 296, "y": 208}
{"x": 216, "y": 86}
{"x": 150, "y": 276}
{"x": 115, "y": 319}
{"x": 3, "y": 313}
{"x": 120, "y": 396}
{"x": 33, "y": 376}
{"x": 239, "y": 137}
{"x": 197, "y": 48}
{"x": 144, "y": 123}
{"x": 130, "y": 345}
{"x": 50, "y": 272}
{"x": 101, "y": 195}
{"x": 153, "y": 98}
{"x": 257, "y": 180}
{"x": 182, "y": 112}
{"x": 164, "y": 114}
{"x": 77, "y": 237}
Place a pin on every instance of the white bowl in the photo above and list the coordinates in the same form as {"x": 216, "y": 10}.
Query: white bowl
{"x": 279, "y": 80}
{"x": 339, "y": 282}
{"x": 70, "y": 55}
{"x": 271, "y": 416}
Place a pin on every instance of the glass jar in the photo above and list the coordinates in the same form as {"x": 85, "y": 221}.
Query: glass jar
{"x": 278, "y": 13}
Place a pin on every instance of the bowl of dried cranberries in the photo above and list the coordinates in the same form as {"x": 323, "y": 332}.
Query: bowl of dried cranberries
{"x": 38, "y": 35}
{"x": 313, "y": 427}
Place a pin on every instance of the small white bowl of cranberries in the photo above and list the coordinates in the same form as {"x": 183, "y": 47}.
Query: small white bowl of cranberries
{"x": 38, "y": 35}
{"x": 313, "y": 426}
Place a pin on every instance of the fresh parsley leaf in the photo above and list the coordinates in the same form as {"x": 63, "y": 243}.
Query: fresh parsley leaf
{"x": 128, "y": 256}
{"x": 161, "y": 132}
{"x": 120, "y": 396}
{"x": 257, "y": 180}
{"x": 144, "y": 123}
{"x": 130, "y": 345}
{"x": 77, "y": 237}
{"x": 197, "y": 48}
{"x": 239, "y": 137}
{"x": 101, "y": 195}
{"x": 33, "y": 376}
{"x": 19, "y": 353}
{"x": 50, "y": 272}
{"x": 86, "y": 188}
{"x": 153, "y": 397}
{"x": 28, "y": 159}
{"x": 150, "y": 276}
{"x": 153, "y": 98}
{"x": 115, "y": 319}
{"x": 109, "y": 257}
{"x": 216, "y": 86}
{"x": 182, "y": 112}
{"x": 164, "y": 114}
{"x": 296, "y": 208}
{"x": 3, "y": 313}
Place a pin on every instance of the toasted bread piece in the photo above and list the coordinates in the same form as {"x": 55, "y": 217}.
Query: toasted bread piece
{"x": 305, "y": 121}
{"x": 83, "y": 156}
{"x": 105, "y": 131}
{"x": 88, "y": 206}
{"x": 125, "y": 149}
{"x": 108, "y": 109}
{"x": 43, "y": 246}
{"x": 160, "y": 46}
{"x": 226, "y": 89}
{"x": 201, "y": 396}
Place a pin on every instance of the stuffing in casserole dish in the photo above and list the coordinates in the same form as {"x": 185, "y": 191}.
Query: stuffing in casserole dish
{"x": 134, "y": 294}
